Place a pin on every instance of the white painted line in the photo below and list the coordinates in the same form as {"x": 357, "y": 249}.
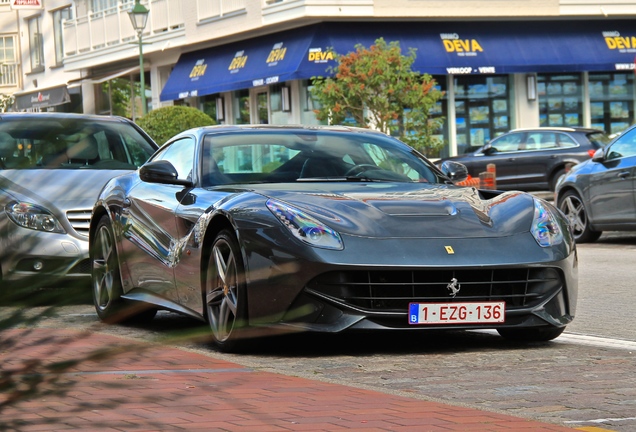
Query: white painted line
{"x": 596, "y": 341}
{"x": 580, "y": 339}
{"x": 601, "y": 420}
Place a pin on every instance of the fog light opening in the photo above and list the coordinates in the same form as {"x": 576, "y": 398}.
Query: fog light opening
{"x": 38, "y": 265}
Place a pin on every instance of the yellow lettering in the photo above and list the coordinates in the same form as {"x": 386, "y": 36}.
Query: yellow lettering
{"x": 276, "y": 55}
{"x": 620, "y": 43}
{"x": 320, "y": 56}
{"x": 198, "y": 70}
{"x": 610, "y": 43}
{"x": 475, "y": 46}
{"x": 238, "y": 62}
{"x": 448, "y": 45}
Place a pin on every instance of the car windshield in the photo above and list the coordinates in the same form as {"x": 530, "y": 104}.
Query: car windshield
{"x": 71, "y": 143}
{"x": 275, "y": 157}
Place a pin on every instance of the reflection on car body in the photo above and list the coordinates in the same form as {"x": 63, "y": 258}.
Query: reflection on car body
{"x": 327, "y": 229}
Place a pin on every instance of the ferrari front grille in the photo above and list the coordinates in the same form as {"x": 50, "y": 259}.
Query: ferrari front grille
{"x": 80, "y": 221}
{"x": 392, "y": 291}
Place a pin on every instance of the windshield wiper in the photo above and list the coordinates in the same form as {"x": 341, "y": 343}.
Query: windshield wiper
{"x": 340, "y": 179}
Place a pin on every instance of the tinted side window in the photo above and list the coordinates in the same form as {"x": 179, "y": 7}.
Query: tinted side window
{"x": 180, "y": 154}
{"x": 625, "y": 145}
{"x": 507, "y": 143}
{"x": 566, "y": 141}
{"x": 547, "y": 141}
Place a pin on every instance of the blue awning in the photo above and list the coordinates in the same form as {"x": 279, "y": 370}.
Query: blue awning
{"x": 441, "y": 47}
{"x": 267, "y": 60}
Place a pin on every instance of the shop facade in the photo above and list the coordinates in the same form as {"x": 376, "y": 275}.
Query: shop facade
{"x": 496, "y": 75}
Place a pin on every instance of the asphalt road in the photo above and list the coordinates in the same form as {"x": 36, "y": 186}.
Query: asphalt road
{"x": 585, "y": 378}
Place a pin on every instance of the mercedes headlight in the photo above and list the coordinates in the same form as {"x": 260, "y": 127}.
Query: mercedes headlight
{"x": 33, "y": 217}
{"x": 304, "y": 227}
{"x": 545, "y": 227}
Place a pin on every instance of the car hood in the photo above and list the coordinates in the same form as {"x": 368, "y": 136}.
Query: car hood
{"x": 411, "y": 210}
{"x": 64, "y": 189}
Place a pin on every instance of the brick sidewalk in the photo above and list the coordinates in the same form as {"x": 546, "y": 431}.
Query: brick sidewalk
{"x": 150, "y": 387}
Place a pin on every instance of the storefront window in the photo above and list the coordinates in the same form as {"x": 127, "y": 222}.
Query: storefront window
{"x": 279, "y": 103}
{"x": 241, "y": 107}
{"x": 115, "y": 97}
{"x": 440, "y": 110}
{"x": 208, "y": 104}
{"x": 560, "y": 100}
{"x": 308, "y": 105}
{"x": 482, "y": 110}
{"x": 262, "y": 110}
{"x": 611, "y": 101}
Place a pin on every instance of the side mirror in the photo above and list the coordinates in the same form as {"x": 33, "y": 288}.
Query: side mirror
{"x": 163, "y": 172}
{"x": 454, "y": 170}
{"x": 489, "y": 150}
{"x": 599, "y": 155}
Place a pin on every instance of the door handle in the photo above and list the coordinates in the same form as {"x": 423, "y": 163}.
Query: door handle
{"x": 623, "y": 174}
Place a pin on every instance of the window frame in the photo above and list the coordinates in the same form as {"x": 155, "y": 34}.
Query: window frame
{"x": 36, "y": 43}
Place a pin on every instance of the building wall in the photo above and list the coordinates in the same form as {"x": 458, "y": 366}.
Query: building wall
{"x": 466, "y": 8}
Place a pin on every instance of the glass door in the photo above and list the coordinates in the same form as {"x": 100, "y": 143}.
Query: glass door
{"x": 260, "y": 105}
{"x": 482, "y": 110}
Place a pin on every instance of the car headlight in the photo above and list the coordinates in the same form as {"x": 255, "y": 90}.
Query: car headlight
{"x": 304, "y": 227}
{"x": 545, "y": 227}
{"x": 33, "y": 217}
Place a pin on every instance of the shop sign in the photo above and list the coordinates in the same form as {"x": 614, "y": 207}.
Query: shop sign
{"x": 42, "y": 99}
{"x": 462, "y": 47}
{"x": 238, "y": 62}
{"x": 26, "y": 4}
{"x": 276, "y": 54}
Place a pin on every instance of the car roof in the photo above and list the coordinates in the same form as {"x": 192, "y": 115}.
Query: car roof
{"x": 557, "y": 129}
{"x": 59, "y": 115}
{"x": 279, "y": 128}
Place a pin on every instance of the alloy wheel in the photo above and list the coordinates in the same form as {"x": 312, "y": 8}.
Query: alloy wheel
{"x": 222, "y": 294}
{"x": 574, "y": 211}
{"x": 104, "y": 269}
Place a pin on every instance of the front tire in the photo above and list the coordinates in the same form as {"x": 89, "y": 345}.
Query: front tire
{"x": 555, "y": 178}
{"x": 106, "y": 281}
{"x": 531, "y": 334}
{"x": 574, "y": 209}
{"x": 225, "y": 293}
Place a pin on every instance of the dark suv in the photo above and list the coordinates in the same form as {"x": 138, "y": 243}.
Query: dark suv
{"x": 534, "y": 159}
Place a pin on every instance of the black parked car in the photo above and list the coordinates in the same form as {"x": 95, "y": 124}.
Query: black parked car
{"x": 599, "y": 195}
{"x": 534, "y": 159}
{"x": 325, "y": 229}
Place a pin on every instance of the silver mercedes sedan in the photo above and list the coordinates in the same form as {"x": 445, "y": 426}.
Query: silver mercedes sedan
{"x": 52, "y": 167}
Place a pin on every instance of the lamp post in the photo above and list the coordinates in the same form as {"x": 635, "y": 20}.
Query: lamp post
{"x": 139, "y": 17}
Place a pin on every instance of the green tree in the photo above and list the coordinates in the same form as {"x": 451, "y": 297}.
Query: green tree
{"x": 6, "y": 102}
{"x": 164, "y": 123}
{"x": 376, "y": 87}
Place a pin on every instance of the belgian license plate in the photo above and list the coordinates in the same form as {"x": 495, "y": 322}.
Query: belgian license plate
{"x": 457, "y": 313}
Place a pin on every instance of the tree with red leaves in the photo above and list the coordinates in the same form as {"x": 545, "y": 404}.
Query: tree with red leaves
{"x": 376, "y": 88}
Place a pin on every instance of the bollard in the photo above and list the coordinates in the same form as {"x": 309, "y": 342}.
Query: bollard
{"x": 487, "y": 180}
{"x": 492, "y": 169}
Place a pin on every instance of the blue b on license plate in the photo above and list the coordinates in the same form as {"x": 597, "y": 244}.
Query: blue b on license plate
{"x": 457, "y": 313}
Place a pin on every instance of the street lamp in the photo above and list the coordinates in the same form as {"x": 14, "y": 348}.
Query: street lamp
{"x": 139, "y": 17}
